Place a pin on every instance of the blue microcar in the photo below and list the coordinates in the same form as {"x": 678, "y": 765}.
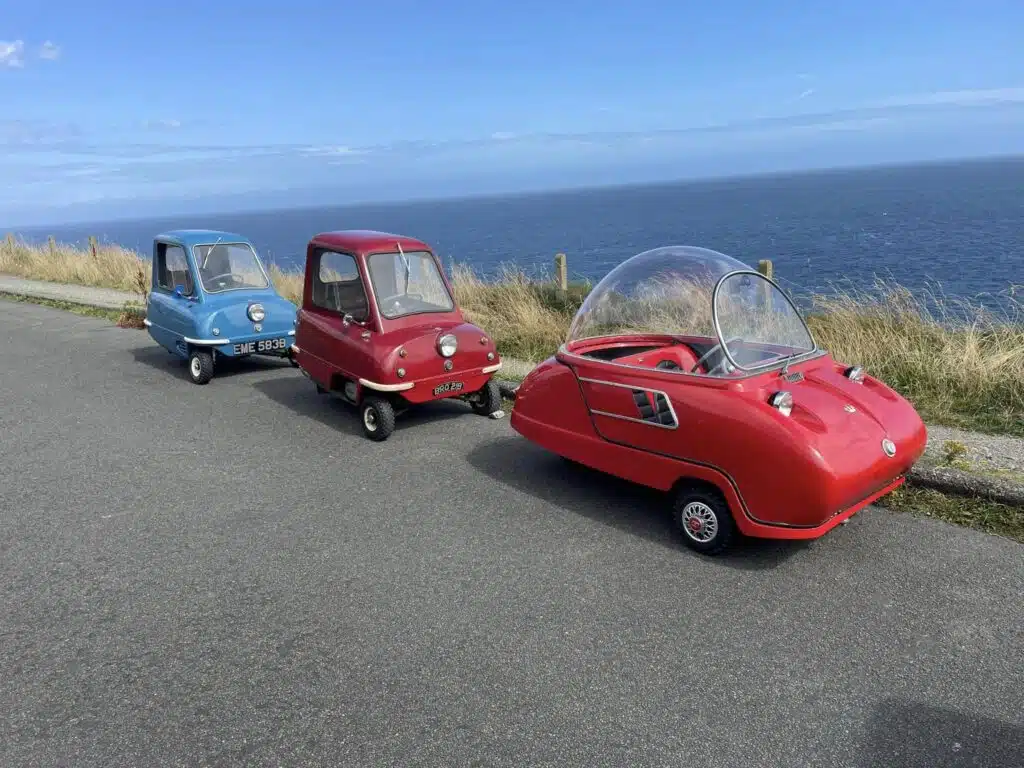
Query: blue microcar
{"x": 212, "y": 297}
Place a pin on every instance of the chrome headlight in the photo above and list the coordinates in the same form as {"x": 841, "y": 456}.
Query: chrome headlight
{"x": 783, "y": 401}
{"x": 256, "y": 313}
{"x": 447, "y": 345}
{"x": 855, "y": 373}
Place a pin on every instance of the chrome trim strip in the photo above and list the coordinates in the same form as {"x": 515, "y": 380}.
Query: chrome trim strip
{"x": 207, "y": 342}
{"x": 147, "y": 322}
{"x": 386, "y": 387}
{"x": 291, "y": 332}
{"x": 491, "y": 368}
{"x": 668, "y": 400}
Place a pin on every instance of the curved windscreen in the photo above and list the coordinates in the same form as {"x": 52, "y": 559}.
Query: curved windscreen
{"x": 408, "y": 283}
{"x": 228, "y": 267}
{"x": 753, "y": 314}
{"x": 662, "y": 291}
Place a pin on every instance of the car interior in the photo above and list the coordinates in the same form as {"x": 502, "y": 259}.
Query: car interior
{"x": 343, "y": 295}
{"x": 681, "y": 355}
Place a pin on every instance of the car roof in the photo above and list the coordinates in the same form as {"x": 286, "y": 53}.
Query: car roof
{"x": 367, "y": 240}
{"x": 191, "y": 237}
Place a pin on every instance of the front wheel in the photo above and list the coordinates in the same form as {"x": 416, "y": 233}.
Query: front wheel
{"x": 487, "y": 400}
{"x": 378, "y": 418}
{"x": 703, "y": 519}
{"x": 200, "y": 366}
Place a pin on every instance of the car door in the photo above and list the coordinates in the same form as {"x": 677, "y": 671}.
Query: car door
{"x": 337, "y": 291}
{"x": 172, "y": 316}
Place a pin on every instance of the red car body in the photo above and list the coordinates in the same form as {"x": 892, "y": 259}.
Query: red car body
{"x": 378, "y": 345}
{"x": 632, "y": 405}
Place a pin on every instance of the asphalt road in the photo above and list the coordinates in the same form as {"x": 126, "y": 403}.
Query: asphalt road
{"x": 231, "y": 574}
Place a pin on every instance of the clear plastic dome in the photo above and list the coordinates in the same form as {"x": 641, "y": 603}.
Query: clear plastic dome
{"x": 672, "y": 291}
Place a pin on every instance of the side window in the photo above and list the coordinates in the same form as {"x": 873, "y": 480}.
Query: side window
{"x": 172, "y": 268}
{"x": 337, "y": 286}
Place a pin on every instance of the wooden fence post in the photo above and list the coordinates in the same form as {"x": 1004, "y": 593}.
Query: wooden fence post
{"x": 53, "y": 245}
{"x": 561, "y": 272}
{"x": 92, "y": 245}
{"x": 766, "y": 268}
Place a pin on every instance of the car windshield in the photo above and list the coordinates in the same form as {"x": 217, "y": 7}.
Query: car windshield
{"x": 408, "y": 283}
{"x": 751, "y": 313}
{"x": 229, "y": 267}
{"x": 672, "y": 291}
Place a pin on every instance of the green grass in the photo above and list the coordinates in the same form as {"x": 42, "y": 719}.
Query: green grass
{"x": 966, "y": 511}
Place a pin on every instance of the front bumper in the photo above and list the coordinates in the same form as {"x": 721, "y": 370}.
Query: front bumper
{"x": 439, "y": 387}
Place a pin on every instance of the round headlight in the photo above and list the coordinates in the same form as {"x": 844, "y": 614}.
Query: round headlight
{"x": 783, "y": 401}
{"x": 447, "y": 345}
{"x": 256, "y": 313}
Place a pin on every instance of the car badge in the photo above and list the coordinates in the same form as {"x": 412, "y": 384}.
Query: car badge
{"x": 849, "y": 408}
{"x": 889, "y": 447}
{"x": 448, "y": 365}
{"x": 257, "y": 327}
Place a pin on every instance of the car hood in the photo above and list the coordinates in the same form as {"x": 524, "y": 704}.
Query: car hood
{"x": 851, "y": 420}
{"x": 420, "y": 342}
{"x": 229, "y": 314}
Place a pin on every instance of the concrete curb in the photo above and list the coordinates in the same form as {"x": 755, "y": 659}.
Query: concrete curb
{"x": 945, "y": 479}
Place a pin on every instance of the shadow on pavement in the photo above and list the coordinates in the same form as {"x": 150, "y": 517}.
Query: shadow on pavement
{"x": 606, "y": 499}
{"x": 910, "y": 734}
{"x": 159, "y": 358}
{"x": 298, "y": 394}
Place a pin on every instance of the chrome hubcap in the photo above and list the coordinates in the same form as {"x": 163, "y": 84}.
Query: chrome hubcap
{"x": 370, "y": 419}
{"x": 700, "y": 521}
{"x": 196, "y": 368}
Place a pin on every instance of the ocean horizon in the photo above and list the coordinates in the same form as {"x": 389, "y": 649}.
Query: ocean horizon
{"x": 954, "y": 227}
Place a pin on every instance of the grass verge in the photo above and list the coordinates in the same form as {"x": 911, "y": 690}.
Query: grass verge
{"x": 959, "y": 364}
{"x": 969, "y": 512}
{"x": 128, "y": 317}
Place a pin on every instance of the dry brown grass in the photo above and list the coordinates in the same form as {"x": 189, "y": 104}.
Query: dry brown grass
{"x": 957, "y": 363}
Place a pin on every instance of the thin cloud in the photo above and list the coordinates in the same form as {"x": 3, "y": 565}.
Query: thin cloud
{"x": 804, "y": 94}
{"x": 502, "y": 135}
{"x": 967, "y": 98}
{"x": 12, "y": 54}
{"x": 49, "y": 51}
{"x": 161, "y": 125}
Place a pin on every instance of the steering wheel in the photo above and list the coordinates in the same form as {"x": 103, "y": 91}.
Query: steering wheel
{"x": 711, "y": 351}
{"x": 232, "y": 275}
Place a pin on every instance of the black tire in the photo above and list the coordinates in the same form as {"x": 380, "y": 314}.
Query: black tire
{"x": 487, "y": 400}
{"x": 703, "y": 520}
{"x": 200, "y": 366}
{"x": 378, "y": 418}
{"x": 320, "y": 390}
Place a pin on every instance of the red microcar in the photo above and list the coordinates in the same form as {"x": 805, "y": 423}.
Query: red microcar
{"x": 687, "y": 371}
{"x": 378, "y": 325}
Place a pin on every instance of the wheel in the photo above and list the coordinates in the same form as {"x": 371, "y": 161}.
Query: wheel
{"x": 704, "y": 520}
{"x": 378, "y": 418}
{"x": 200, "y": 366}
{"x": 487, "y": 400}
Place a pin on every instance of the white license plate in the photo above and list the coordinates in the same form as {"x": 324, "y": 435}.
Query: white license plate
{"x": 263, "y": 345}
{"x": 450, "y": 386}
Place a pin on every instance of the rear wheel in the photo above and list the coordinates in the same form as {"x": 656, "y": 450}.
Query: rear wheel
{"x": 487, "y": 400}
{"x": 200, "y": 366}
{"x": 704, "y": 521}
{"x": 378, "y": 418}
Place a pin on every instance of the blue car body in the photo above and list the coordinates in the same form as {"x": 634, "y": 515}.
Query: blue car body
{"x": 199, "y": 319}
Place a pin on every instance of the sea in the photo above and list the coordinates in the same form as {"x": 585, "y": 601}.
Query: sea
{"x": 949, "y": 229}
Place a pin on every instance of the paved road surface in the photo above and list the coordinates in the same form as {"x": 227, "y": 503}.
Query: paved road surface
{"x": 232, "y": 574}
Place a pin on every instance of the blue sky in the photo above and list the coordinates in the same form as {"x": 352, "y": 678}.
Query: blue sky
{"x": 114, "y": 109}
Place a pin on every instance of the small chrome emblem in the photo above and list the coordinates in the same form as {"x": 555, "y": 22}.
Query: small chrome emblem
{"x": 257, "y": 327}
{"x": 889, "y": 447}
{"x": 849, "y": 408}
{"x": 448, "y": 365}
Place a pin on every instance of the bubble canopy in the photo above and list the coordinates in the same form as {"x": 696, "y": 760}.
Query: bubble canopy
{"x": 695, "y": 294}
